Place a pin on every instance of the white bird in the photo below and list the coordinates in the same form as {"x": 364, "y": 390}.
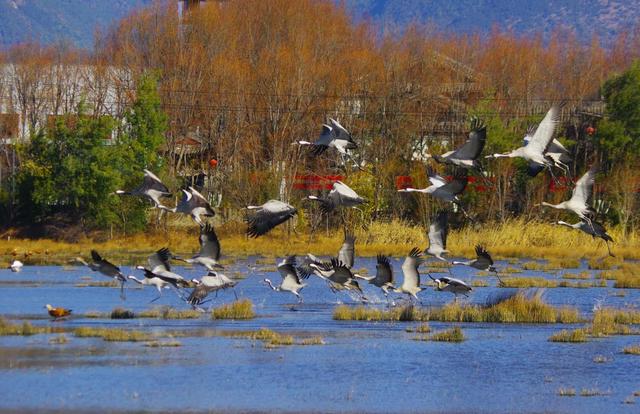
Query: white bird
{"x": 211, "y": 282}
{"x": 557, "y": 152}
{"x": 16, "y": 266}
{"x": 449, "y": 284}
{"x": 161, "y": 268}
{"x": 438, "y": 236}
{"x": 443, "y": 190}
{"x": 106, "y": 268}
{"x": 538, "y": 145}
{"x": 290, "y": 279}
{"x": 261, "y": 219}
{"x": 332, "y": 136}
{"x": 594, "y": 229}
{"x": 209, "y": 254}
{"x": 411, "y": 282}
{"x": 467, "y": 155}
{"x": 194, "y": 204}
{"x": 341, "y": 195}
{"x": 151, "y": 188}
{"x": 580, "y": 197}
{"x": 150, "y": 279}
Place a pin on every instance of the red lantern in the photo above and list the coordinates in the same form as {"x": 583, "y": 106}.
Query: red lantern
{"x": 590, "y": 130}
{"x": 213, "y": 162}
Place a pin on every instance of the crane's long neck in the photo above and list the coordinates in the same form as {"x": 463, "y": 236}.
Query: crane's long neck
{"x": 560, "y": 206}
{"x": 417, "y": 190}
{"x": 267, "y": 281}
{"x": 135, "y": 279}
{"x": 564, "y": 223}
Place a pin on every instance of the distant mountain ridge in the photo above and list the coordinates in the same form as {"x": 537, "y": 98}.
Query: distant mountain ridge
{"x": 77, "y": 20}
{"x": 53, "y": 20}
{"x": 604, "y": 18}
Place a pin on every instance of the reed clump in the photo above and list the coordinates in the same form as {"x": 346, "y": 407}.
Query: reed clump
{"x": 241, "y": 309}
{"x": 632, "y": 350}
{"x": 576, "y": 335}
{"x": 112, "y": 335}
{"x": 517, "y": 308}
{"x": 512, "y": 238}
{"x": 582, "y": 275}
{"x": 454, "y": 334}
{"x": 601, "y": 359}
{"x": 567, "y": 392}
{"x": 533, "y": 266}
{"x": 163, "y": 344}
{"x": 169, "y": 312}
{"x": 24, "y": 329}
{"x": 528, "y": 282}
{"x": 422, "y": 328}
{"x": 593, "y": 392}
{"x": 607, "y": 321}
{"x": 121, "y": 313}
{"x": 59, "y": 340}
{"x": 274, "y": 339}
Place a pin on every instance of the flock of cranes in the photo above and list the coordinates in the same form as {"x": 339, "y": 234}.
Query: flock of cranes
{"x": 540, "y": 150}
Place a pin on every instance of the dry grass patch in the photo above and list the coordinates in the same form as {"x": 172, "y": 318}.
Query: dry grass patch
{"x": 113, "y": 335}
{"x": 528, "y": 282}
{"x": 168, "y": 312}
{"x": 576, "y": 335}
{"x": 608, "y": 321}
{"x": 24, "y": 329}
{"x": 582, "y": 275}
{"x": 121, "y": 313}
{"x": 567, "y": 392}
{"x": 515, "y": 308}
{"x": 593, "y": 392}
{"x": 632, "y": 350}
{"x": 162, "y": 344}
{"x": 274, "y": 339}
{"x": 241, "y": 309}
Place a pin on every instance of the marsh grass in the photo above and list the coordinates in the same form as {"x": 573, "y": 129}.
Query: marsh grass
{"x": 24, "y": 329}
{"x": 112, "y": 335}
{"x": 162, "y": 344}
{"x": 168, "y": 312}
{"x": 528, "y": 282}
{"x": 533, "y": 266}
{"x": 512, "y": 238}
{"x": 421, "y": 328}
{"x": 517, "y": 308}
{"x": 121, "y": 313}
{"x": 59, "y": 340}
{"x": 608, "y": 321}
{"x": 632, "y": 350}
{"x": 562, "y": 263}
{"x": 479, "y": 283}
{"x": 567, "y": 392}
{"x": 241, "y": 309}
{"x": 511, "y": 270}
{"x": 105, "y": 283}
{"x": 581, "y": 276}
{"x": 454, "y": 334}
{"x": 593, "y": 392}
{"x": 272, "y": 339}
{"x": 627, "y": 282}
{"x": 314, "y": 340}
{"x": 576, "y": 335}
